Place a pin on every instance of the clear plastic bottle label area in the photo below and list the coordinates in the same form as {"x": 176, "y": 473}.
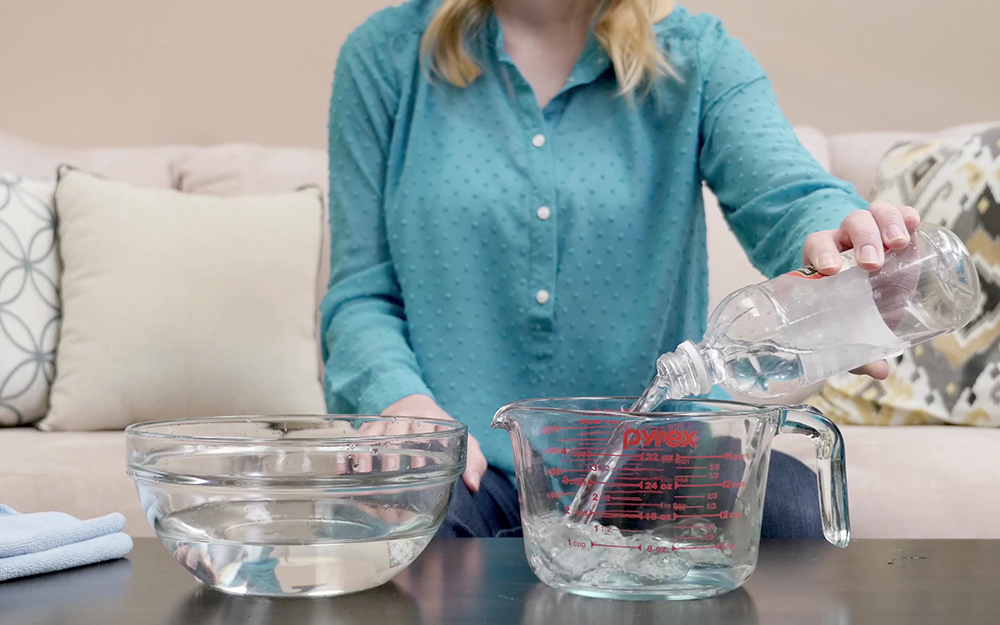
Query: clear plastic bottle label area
{"x": 811, "y": 273}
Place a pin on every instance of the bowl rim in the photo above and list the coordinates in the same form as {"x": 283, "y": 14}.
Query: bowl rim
{"x": 143, "y": 429}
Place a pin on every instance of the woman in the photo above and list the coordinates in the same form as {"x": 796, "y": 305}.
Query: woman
{"x": 515, "y": 198}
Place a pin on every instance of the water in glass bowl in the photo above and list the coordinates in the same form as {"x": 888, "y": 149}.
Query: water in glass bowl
{"x": 291, "y": 547}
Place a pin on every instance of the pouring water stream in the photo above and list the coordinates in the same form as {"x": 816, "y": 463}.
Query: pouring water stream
{"x": 585, "y": 504}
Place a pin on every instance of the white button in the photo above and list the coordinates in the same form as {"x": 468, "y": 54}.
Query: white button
{"x": 544, "y": 212}
{"x": 538, "y": 141}
{"x": 542, "y": 297}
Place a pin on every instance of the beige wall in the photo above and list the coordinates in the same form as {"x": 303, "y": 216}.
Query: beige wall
{"x": 86, "y": 72}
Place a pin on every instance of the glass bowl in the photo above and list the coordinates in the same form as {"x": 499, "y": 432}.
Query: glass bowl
{"x": 295, "y": 505}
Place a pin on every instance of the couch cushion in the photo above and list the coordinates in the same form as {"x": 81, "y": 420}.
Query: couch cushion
{"x": 147, "y": 166}
{"x": 82, "y": 473}
{"x": 179, "y": 305}
{"x": 855, "y": 157}
{"x": 29, "y": 297}
{"x": 234, "y": 169}
{"x": 936, "y": 481}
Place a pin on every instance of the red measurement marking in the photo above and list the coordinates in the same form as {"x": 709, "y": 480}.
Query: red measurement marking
{"x": 675, "y": 548}
{"x": 638, "y": 469}
{"x": 618, "y": 455}
{"x": 689, "y": 496}
{"x": 610, "y": 498}
{"x": 698, "y": 516}
{"x": 723, "y": 456}
{"x": 574, "y": 440}
{"x": 614, "y": 483}
{"x": 593, "y": 544}
{"x": 697, "y": 485}
{"x": 651, "y": 505}
{"x": 692, "y": 468}
{"x": 617, "y": 516}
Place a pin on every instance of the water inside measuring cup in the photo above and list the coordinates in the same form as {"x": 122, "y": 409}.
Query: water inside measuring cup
{"x": 607, "y": 561}
{"x": 671, "y": 511}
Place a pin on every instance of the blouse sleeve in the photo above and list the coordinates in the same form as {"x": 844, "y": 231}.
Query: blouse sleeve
{"x": 772, "y": 191}
{"x": 369, "y": 361}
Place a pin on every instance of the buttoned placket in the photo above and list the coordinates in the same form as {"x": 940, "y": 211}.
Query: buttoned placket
{"x": 539, "y": 127}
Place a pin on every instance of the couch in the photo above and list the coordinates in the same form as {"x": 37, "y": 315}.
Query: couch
{"x": 904, "y": 482}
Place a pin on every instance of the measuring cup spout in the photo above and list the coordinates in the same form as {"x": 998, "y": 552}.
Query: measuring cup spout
{"x": 830, "y": 464}
{"x": 502, "y": 420}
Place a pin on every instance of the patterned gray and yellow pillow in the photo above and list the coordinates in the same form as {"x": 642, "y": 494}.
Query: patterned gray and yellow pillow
{"x": 954, "y": 378}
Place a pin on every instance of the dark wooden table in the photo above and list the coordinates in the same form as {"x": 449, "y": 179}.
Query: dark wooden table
{"x": 469, "y": 581}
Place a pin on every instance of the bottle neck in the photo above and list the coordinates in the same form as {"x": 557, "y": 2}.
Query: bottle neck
{"x": 689, "y": 370}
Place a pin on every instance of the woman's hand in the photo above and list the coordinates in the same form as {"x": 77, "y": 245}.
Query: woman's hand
{"x": 424, "y": 406}
{"x": 869, "y": 233}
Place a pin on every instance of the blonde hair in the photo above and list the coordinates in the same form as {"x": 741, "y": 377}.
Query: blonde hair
{"x": 624, "y": 29}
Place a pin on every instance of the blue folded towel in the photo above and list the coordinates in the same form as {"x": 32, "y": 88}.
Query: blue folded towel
{"x": 44, "y": 542}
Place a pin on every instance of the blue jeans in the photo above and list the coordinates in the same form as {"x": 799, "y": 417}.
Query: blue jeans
{"x": 791, "y": 507}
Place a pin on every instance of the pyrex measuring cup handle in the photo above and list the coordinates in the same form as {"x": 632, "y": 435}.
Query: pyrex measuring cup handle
{"x": 830, "y": 464}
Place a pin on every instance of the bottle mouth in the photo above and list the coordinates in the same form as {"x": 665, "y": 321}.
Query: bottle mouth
{"x": 682, "y": 373}
{"x": 689, "y": 349}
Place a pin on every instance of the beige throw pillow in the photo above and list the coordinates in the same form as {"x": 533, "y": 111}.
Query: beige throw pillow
{"x": 178, "y": 306}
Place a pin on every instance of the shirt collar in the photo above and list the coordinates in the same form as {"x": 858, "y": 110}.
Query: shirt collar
{"x": 593, "y": 61}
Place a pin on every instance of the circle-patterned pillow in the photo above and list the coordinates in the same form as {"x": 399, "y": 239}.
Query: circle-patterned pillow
{"x": 29, "y": 297}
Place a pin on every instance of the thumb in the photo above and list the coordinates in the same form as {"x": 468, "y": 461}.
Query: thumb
{"x": 475, "y": 466}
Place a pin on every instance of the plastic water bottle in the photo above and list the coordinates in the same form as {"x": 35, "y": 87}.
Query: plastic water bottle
{"x": 771, "y": 339}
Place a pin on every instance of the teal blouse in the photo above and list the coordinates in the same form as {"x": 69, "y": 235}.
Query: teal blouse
{"x": 487, "y": 250}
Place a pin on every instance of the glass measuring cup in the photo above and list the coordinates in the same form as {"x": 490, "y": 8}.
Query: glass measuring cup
{"x": 673, "y": 499}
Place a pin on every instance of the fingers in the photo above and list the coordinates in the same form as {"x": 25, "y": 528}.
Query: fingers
{"x": 475, "y": 466}
{"x": 423, "y": 406}
{"x": 883, "y": 226}
{"x": 390, "y": 462}
{"x": 342, "y": 463}
{"x": 821, "y": 252}
{"x": 192, "y": 558}
{"x": 891, "y": 224}
{"x": 910, "y": 217}
{"x": 420, "y": 427}
{"x": 365, "y": 461}
{"x": 878, "y": 370}
{"x": 861, "y": 232}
